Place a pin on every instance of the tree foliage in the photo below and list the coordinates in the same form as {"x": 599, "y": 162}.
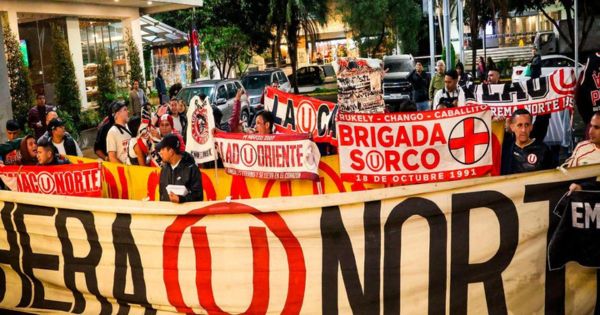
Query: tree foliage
{"x": 377, "y": 24}
{"x": 295, "y": 16}
{"x": 65, "y": 83}
{"x": 21, "y": 93}
{"x": 135, "y": 65}
{"x": 226, "y": 47}
{"x": 251, "y": 17}
{"x": 107, "y": 89}
{"x": 588, "y": 10}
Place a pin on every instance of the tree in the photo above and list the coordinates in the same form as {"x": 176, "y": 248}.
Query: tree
{"x": 135, "y": 65}
{"x": 226, "y": 47}
{"x": 65, "y": 84}
{"x": 107, "y": 89}
{"x": 21, "y": 93}
{"x": 296, "y": 16}
{"x": 588, "y": 10}
{"x": 376, "y": 25}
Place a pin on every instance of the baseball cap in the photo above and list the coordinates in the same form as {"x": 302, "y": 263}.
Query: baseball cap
{"x": 169, "y": 141}
{"x": 116, "y": 106}
{"x": 54, "y": 123}
{"x": 169, "y": 118}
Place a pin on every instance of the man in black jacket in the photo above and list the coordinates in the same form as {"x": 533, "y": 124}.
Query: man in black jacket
{"x": 420, "y": 82}
{"x": 179, "y": 169}
{"x": 524, "y": 150}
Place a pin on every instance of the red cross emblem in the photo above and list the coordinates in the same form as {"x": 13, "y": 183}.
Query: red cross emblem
{"x": 462, "y": 145}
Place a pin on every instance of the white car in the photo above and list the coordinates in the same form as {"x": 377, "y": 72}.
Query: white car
{"x": 550, "y": 63}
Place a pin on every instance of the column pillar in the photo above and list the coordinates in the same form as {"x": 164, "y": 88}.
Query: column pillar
{"x": 74, "y": 40}
{"x": 5, "y": 99}
{"x": 132, "y": 24}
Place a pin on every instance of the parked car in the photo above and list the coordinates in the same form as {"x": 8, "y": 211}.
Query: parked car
{"x": 255, "y": 83}
{"x": 550, "y": 63}
{"x": 396, "y": 86}
{"x": 309, "y": 75}
{"x": 329, "y": 71}
{"x": 221, "y": 94}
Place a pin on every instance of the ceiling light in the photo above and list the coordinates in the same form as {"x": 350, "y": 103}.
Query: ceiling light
{"x": 149, "y": 2}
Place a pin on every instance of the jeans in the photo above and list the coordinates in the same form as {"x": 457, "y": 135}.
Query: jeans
{"x": 421, "y": 106}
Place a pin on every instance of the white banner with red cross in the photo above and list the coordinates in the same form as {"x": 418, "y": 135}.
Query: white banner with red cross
{"x": 553, "y": 93}
{"x": 274, "y": 156}
{"x": 417, "y": 147}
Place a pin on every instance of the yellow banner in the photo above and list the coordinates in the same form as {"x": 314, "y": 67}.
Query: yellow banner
{"x": 476, "y": 246}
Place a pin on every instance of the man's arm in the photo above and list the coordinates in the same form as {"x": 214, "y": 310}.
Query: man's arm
{"x": 194, "y": 186}
{"x": 112, "y": 157}
{"x": 431, "y": 89}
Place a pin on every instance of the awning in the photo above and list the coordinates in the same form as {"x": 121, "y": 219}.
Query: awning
{"x": 156, "y": 33}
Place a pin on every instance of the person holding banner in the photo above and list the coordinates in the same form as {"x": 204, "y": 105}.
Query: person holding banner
{"x": 12, "y": 132}
{"x": 587, "y": 152}
{"x": 28, "y": 151}
{"x": 451, "y": 95}
{"x": 264, "y": 123}
{"x": 47, "y": 154}
{"x": 524, "y": 149}
{"x": 180, "y": 179}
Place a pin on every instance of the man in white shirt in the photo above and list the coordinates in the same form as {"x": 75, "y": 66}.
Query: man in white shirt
{"x": 118, "y": 136}
{"x": 61, "y": 140}
{"x": 587, "y": 152}
{"x": 451, "y": 95}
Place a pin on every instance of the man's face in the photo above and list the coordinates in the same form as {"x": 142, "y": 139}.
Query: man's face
{"x": 594, "y": 131}
{"x": 262, "y": 128}
{"x": 165, "y": 128}
{"x": 521, "y": 126}
{"x": 440, "y": 68}
{"x": 173, "y": 106}
{"x": 166, "y": 154}
{"x": 44, "y": 155}
{"x": 493, "y": 77}
{"x": 450, "y": 83}
{"x": 59, "y": 132}
{"x": 419, "y": 67}
{"x": 12, "y": 135}
{"x": 136, "y": 85}
{"x": 40, "y": 100}
{"x": 122, "y": 115}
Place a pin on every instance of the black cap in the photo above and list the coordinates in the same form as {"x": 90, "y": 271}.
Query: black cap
{"x": 116, "y": 106}
{"x": 55, "y": 122}
{"x": 12, "y": 125}
{"x": 169, "y": 141}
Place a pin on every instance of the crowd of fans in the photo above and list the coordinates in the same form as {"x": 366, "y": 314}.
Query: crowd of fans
{"x": 135, "y": 133}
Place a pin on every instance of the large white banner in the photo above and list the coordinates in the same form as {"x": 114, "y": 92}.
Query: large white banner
{"x": 417, "y": 147}
{"x": 465, "y": 247}
{"x": 549, "y": 94}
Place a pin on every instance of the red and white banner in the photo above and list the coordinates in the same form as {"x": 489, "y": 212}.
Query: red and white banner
{"x": 416, "y": 147}
{"x": 276, "y": 156}
{"x": 553, "y": 93}
{"x": 302, "y": 114}
{"x": 84, "y": 180}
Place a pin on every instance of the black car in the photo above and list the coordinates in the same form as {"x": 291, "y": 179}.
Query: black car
{"x": 310, "y": 75}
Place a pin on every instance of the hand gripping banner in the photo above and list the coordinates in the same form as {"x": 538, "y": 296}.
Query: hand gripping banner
{"x": 417, "y": 147}
{"x": 275, "y": 156}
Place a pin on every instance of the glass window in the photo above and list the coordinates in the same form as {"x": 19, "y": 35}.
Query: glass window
{"x": 231, "y": 90}
{"x": 221, "y": 92}
{"x": 282, "y": 77}
{"x": 254, "y": 82}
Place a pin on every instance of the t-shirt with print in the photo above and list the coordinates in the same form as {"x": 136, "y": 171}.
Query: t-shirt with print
{"x": 116, "y": 141}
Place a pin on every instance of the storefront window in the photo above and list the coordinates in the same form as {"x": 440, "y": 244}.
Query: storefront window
{"x": 107, "y": 35}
